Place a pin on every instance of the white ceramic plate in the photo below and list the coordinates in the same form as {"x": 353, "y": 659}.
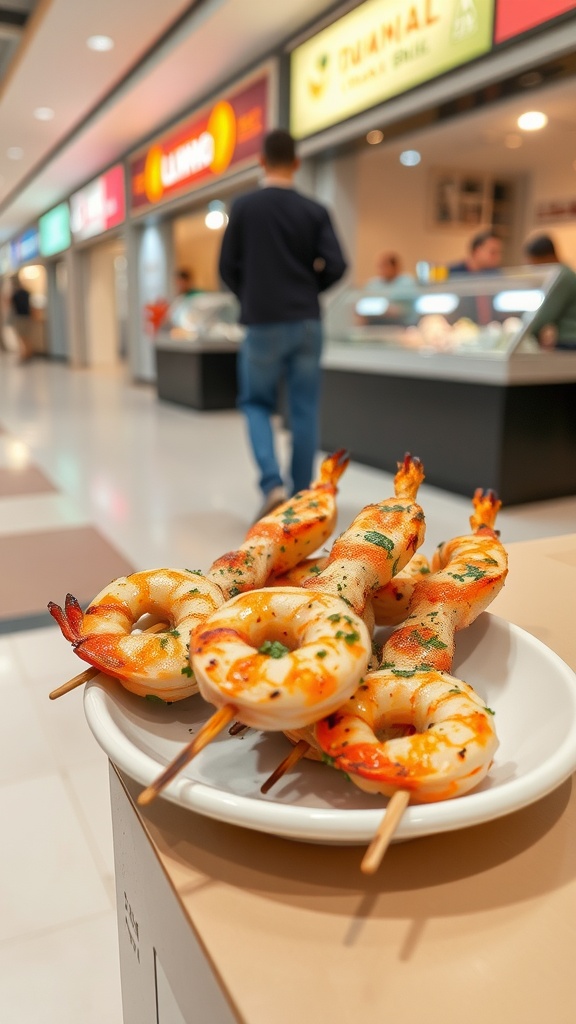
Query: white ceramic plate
{"x": 532, "y": 691}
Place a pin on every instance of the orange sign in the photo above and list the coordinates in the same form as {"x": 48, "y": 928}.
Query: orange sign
{"x": 209, "y": 145}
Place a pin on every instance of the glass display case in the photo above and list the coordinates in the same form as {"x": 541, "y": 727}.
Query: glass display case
{"x": 204, "y": 317}
{"x": 466, "y": 314}
{"x": 451, "y": 372}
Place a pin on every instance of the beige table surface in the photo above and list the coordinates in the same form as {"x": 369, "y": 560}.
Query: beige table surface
{"x": 465, "y": 927}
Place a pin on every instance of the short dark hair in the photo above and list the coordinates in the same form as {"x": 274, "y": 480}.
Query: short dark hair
{"x": 481, "y": 237}
{"x": 540, "y": 246}
{"x": 278, "y": 148}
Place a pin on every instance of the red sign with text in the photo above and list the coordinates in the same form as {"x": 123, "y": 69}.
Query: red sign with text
{"x": 99, "y": 206}
{"x": 516, "y": 16}
{"x": 203, "y": 148}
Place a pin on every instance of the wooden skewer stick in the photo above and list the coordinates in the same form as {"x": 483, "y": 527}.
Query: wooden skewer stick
{"x": 82, "y": 677}
{"x": 293, "y": 757}
{"x": 90, "y": 673}
{"x": 218, "y": 721}
{"x": 396, "y": 806}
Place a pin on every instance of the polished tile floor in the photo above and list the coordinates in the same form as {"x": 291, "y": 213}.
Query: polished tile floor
{"x": 164, "y": 486}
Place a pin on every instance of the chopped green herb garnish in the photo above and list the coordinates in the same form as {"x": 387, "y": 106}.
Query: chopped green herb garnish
{"x": 274, "y": 649}
{"x": 349, "y": 638}
{"x": 380, "y": 540}
{"x": 330, "y": 761}
{"x": 472, "y": 572}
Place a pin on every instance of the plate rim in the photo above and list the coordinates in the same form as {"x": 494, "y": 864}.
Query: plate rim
{"x": 340, "y": 826}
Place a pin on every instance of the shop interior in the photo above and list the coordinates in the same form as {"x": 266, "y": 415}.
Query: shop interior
{"x": 425, "y": 193}
{"x": 196, "y": 239}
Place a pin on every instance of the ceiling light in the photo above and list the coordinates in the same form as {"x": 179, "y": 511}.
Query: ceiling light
{"x": 30, "y": 273}
{"x": 513, "y": 141}
{"x": 215, "y": 219}
{"x": 43, "y": 113}
{"x": 410, "y": 157}
{"x": 532, "y": 121}
{"x": 15, "y": 153}
{"x": 374, "y": 137}
{"x": 100, "y": 43}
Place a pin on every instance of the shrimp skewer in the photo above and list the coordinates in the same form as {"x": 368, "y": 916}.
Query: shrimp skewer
{"x": 281, "y": 656}
{"x": 453, "y": 738}
{"x": 147, "y": 665}
{"x": 269, "y": 657}
{"x": 467, "y": 573}
{"x": 274, "y": 544}
{"x": 381, "y": 540}
{"x": 319, "y": 661}
{"x": 378, "y": 544}
{"x": 280, "y": 540}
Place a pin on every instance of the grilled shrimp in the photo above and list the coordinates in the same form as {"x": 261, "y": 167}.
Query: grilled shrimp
{"x": 149, "y": 665}
{"x": 278, "y": 541}
{"x": 450, "y": 739}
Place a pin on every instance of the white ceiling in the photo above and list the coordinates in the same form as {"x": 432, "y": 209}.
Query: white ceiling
{"x": 166, "y": 57}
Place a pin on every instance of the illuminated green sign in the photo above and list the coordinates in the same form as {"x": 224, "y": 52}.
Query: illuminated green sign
{"x": 54, "y": 229}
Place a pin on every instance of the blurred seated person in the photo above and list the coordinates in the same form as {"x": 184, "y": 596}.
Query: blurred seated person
{"x": 554, "y": 323}
{"x": 184, "y": 280}
{"x": 395, "y": 284}
{"x": 484, "y": 255}
{"x": 185, "y": 289}
{"x": 389, "y": 270}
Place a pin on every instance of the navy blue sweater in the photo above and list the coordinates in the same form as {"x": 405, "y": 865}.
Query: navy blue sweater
{"x": 278, "y": 252}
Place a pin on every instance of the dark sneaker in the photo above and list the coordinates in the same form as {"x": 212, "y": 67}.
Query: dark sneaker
{"x": 277, "y": 496}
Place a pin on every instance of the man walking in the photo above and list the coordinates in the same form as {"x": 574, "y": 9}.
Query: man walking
{"x": 279, "y": 252}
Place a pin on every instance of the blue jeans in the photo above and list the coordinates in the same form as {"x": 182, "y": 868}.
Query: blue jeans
{"x": 271, "y": 353}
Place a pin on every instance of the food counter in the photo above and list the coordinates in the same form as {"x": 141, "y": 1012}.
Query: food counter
{"x": 221, "y": 924}
{"x": 451, "y": 372}
{"x": 196, "y": 352}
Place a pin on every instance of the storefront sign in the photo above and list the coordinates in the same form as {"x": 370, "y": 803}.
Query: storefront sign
{"x": 99, "y": 206}
{"x": 209, "y": 145}
{"x": 26, "y": 247}
{"x": 380, "y": 50}
{"x": 54, "y": 228}
{"x": 516, "y": 16}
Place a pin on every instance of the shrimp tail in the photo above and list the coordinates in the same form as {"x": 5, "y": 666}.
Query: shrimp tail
{"x": 486, "y": 507}
{"x": 101, "y": 651}
{"x": 68, "y": 618}
{"x": 409, "y": 477}
{"x": 331, "y": 469}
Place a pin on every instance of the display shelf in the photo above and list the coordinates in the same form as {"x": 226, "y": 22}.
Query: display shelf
{"x": 196, "y": 351}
